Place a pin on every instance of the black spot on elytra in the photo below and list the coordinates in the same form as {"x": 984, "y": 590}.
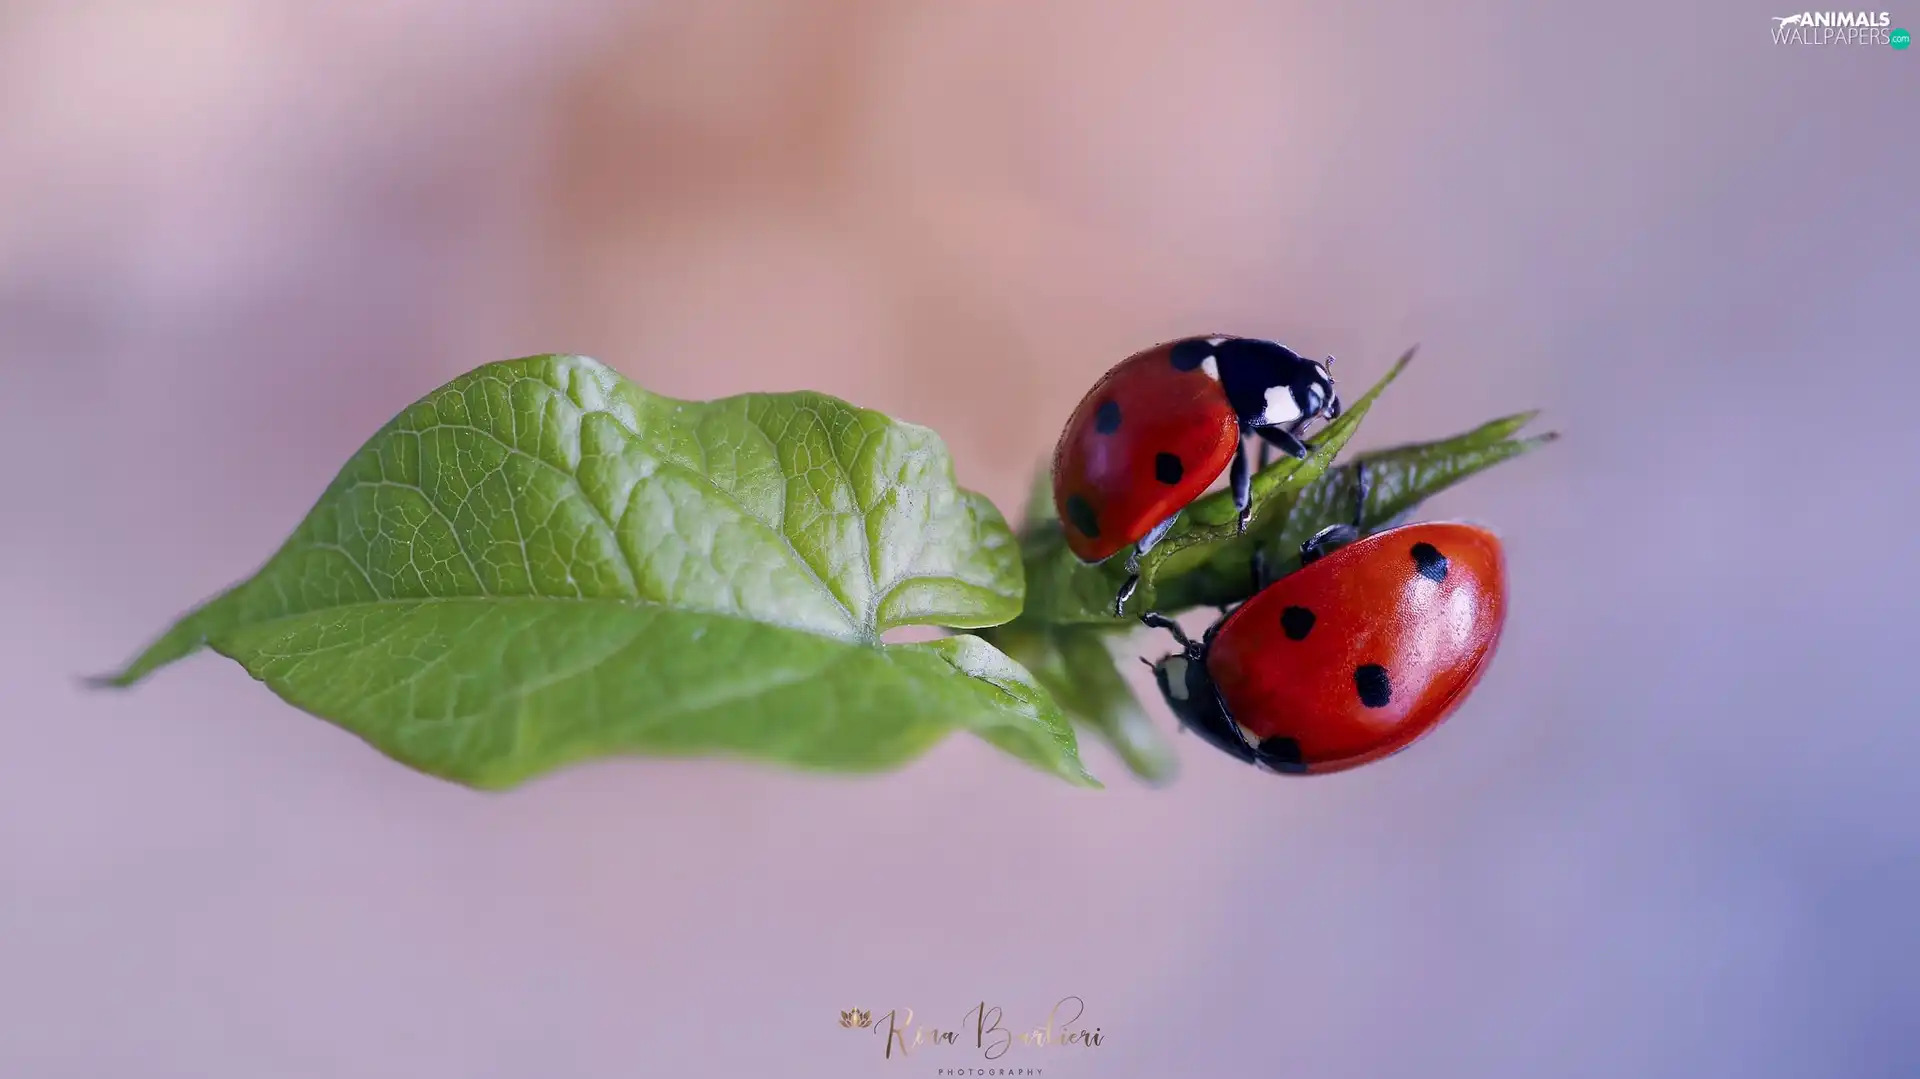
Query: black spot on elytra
{"x": 1080, "y": 514}
{"x": 1283, "y": 755}
{"x": 1168, "y": 469}
{"x": 1296, "y": 622}
{"x": 1371, "y": 682}
{"x": 1106, "y": 419}
{"x": 1428, "y": 562}
{"x": 1190, "y": 353}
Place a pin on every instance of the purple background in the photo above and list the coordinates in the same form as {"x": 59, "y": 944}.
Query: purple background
{"x": 1673, "y": 834}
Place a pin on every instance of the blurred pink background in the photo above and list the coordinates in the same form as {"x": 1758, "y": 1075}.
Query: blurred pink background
{"x": 1675, "y": 833}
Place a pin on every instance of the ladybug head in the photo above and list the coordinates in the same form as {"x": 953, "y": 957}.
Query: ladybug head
{"x": 1187, "y": 688}
{"x": 1270, "y": 385}
{"x": 1182, "y": 675}
{"x": 1320, "y": 398}
{"x": 1171, "y": 674}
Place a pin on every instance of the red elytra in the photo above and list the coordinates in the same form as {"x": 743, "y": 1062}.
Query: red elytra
{"x": 1361, "y": 653}
{"x": 1145, "y": 441}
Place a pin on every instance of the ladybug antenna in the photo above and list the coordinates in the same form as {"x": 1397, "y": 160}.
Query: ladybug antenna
{"x": 1146, "y": 661}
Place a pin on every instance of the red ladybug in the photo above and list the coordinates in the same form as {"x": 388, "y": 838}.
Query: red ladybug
{"x": 1157, "y": 430}
{"x": 1350, "y": 659}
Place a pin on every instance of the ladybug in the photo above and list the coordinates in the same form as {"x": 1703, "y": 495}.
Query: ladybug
{"x": 1162, "y": 425}
{"x": 1350, "y": 659}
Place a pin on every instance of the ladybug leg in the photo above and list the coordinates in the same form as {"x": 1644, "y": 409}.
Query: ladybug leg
{"x": 1262, "y": 572}
{"x": 1261, "y": 579}
{"x": 1156, "y": 620}
{"x": 1285, "y": 441}
{"x": 1151, "y": 539}
{"x": 1314, "y": 548}
{"x": 1242, "y": 486}
{"x": 1133, "y": 563}
{"x": 1206, "y": 639}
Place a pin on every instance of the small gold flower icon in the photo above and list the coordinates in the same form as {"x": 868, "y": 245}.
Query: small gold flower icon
{"x": 856, "y": 1017}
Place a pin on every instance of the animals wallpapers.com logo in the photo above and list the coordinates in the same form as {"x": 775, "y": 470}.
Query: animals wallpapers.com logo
{"x": 1839, "y": 28}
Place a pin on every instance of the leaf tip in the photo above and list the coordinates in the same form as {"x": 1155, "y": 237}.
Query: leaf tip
{"x": 1152, "y": 762}
{"x": 1366, "y": 400}
{"x": 1528, "y": 445}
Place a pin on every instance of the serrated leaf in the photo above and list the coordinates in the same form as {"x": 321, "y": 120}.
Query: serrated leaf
{"x": 542, "y": 563}
{"x": 1074, "y": 665}
{"x": 1400, "y": 478}
{"x": 1063, "y": 590}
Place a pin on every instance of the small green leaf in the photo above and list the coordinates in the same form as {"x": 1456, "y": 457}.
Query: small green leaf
{"x": 1061, "y": 589}
{"x": 541, "y": 563}
{"x": 1400, "y": 478}
{"x": 1075, "y": 666}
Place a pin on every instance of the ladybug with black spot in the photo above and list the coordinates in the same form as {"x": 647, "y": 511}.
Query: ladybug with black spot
{"x": 1353, "y": 657}
{"x": 1160, "y": 427}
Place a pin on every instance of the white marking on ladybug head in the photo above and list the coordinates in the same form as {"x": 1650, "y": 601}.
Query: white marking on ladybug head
{"x": 1321, "y": 390}
{"x": 1216, "y": 342}
{"x": 1211, "y": 367}
{"x": 1280, "y": 407}
{"x": 1174, "y": 670}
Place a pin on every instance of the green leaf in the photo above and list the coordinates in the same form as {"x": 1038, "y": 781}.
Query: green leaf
{"x": 1074, "y": 665}
{"x": 541, "y": 563}
{"x": 1400, "y": 478}
{"x": 1063, "y": 590}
